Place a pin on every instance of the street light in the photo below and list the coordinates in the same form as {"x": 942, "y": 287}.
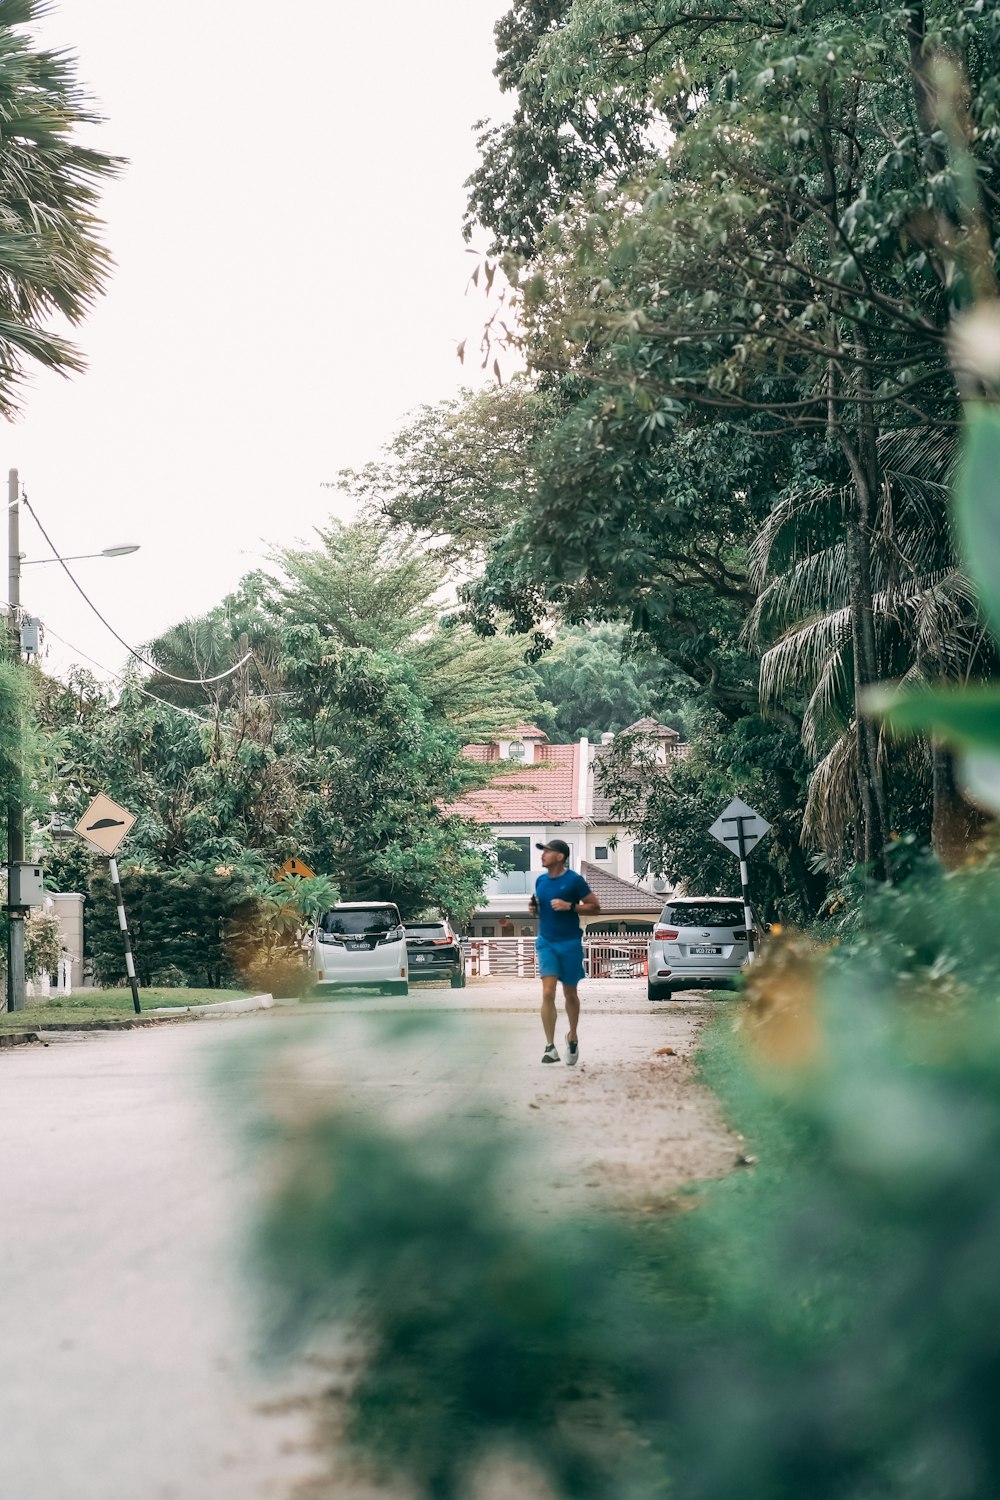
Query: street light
{"x": 122, "y": 551}
{"x": 15, "y": 811}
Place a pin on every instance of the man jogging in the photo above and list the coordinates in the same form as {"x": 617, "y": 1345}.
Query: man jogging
{"x": 559, "y": 894}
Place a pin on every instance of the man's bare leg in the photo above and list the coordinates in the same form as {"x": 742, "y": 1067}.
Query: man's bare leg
{"x": 571, "y": 999}
{"x": 549, "y": 1008}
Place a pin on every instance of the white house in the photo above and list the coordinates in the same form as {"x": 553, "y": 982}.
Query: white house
{"x": 556, "y": 797}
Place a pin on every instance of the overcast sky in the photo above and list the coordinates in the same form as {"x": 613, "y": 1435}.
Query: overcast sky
{"x": 291, "y": 281}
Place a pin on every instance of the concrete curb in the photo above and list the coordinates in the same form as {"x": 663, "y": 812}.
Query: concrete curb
{"x": 41, "y": 1029}
{"x": 218, "y": 1008}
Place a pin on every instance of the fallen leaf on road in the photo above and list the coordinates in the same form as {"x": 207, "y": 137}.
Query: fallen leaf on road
{"x": 534, "y": 1106}
{"x": 665, "y": 1052}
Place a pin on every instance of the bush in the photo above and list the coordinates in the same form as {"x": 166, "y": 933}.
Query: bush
{"x": 178, "y": 922}
{"x": 825, "y": 1325}
{"x": 42, "y": 944}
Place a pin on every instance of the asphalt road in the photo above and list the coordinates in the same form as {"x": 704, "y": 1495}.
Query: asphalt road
{"x": 129, "y": 1325}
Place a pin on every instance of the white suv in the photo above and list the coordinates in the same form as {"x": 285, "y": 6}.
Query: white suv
{"x": 361, "y": 943}
{"x": 698, "y": 943}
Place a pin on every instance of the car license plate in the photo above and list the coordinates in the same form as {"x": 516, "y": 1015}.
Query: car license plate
{"x": 356, "y": 947}
{"x": 420, "y": 958}
{"x": 706, "y": 950}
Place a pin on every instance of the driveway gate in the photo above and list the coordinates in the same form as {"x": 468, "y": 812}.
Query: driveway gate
{"x": 604, "y": 957}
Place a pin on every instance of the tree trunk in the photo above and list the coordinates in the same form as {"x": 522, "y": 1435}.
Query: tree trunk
{"x": 872, "y": 794}
{"x": 955, "y": 823}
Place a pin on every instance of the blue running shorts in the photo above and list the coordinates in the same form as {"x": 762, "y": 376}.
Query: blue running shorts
{"x": 562, "y": 961}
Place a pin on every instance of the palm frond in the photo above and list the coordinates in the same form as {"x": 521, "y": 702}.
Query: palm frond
{"x": 793, "y": 525}
{"x": 819, "y": 581}
{"x": 832, "y": 798}
{"x": 828, "y": 712}
{"x": 797, "y": 660}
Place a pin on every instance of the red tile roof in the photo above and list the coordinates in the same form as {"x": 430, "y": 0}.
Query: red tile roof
{"x": 481, "y": 752}
{"x": 653, "y": 728}
{"x": 546, "y": 792}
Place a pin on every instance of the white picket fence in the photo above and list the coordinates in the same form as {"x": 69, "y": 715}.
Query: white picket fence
{"x": 515, "y": 958}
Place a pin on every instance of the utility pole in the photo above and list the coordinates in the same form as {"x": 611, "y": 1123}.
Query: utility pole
{"x": 15, "y": 808}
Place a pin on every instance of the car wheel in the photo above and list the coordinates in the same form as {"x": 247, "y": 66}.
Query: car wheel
{"x": 398, "y": 987}
{"x": 658, "y": 991}
{"x": 458, "y": 980}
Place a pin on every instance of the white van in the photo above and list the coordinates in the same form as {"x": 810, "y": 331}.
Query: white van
{"x": 361, "y": 943}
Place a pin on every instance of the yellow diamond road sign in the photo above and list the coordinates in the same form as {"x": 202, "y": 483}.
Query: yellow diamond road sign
{"x": 105, "y": 824}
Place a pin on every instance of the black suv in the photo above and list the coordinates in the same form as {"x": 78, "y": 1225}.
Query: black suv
{"x": 433, "y": 951}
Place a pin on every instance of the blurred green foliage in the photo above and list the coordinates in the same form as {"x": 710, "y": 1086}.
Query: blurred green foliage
{"x": 824, "y": 1324}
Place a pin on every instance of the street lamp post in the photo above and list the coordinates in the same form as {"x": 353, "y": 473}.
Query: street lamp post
{"x": 15, "y": 806}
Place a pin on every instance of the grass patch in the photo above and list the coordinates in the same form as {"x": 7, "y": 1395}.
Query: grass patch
{"x": 106, "y": 1005}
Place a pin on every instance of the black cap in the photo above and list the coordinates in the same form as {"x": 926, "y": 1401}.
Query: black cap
{"x": 559, "y": 846}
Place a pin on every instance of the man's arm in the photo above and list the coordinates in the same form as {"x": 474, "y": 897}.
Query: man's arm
{"x": 588, "y": 904}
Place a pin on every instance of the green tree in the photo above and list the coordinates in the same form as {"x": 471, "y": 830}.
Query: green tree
{"x": 594, "y": 686}
{"x": 52, "y": 261}
{"x": 338, "y": 739}
{"x": 553, "y": 147}
{"x": 927, "y": 623}
{"x": 456, "y": 475}
{"x": 796, "y": 253}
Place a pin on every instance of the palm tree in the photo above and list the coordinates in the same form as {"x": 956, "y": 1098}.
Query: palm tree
{"x": 52, "y": 261}
{"x": 927, "y": 625}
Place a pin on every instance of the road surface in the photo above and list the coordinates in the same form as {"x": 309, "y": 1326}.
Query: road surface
{"x": 129, "y": 1327}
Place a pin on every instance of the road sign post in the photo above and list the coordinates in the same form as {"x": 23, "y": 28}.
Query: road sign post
{"x": 105, "y": 826}
{"x": 126, "y": 938}
{"x": 740, "y": 829}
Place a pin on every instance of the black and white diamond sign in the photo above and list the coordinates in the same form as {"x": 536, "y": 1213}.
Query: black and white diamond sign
{"x": 737, "y": 818}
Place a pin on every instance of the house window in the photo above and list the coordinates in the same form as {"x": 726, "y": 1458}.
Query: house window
{"x": 639, "y": 861}
{"x": 488, "y": 931}
{"x": 516, "y": 750}
{"x": 514, "y": 854}
{"x": 600, "y": 851}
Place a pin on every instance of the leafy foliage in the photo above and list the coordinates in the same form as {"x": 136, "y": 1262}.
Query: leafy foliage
{"x": 553, "y": 147}
{"x": 457, "y": 473}
{"x": 671, "y": 808}
{"x": 821, "y": 1325}
{"x": 595, "y": 687}
{"x": 42, "y": 944}
{"x": 179, "y": 924}
{"x": 338, "y": 742}
{"x": 814, "y": 207}
{"x": 52, "y": 262}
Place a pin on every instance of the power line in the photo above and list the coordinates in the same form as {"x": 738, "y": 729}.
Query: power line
{"x": 187, "y": 681}
{"x": 126, "y": 682}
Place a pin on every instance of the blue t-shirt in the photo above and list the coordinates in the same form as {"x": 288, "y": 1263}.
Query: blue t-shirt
{"x": 559, "y": 926}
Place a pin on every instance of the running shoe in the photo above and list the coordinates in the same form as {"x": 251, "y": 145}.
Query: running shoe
{"x": 550, "y": 1054}
{"x": 572, "y": 1053}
